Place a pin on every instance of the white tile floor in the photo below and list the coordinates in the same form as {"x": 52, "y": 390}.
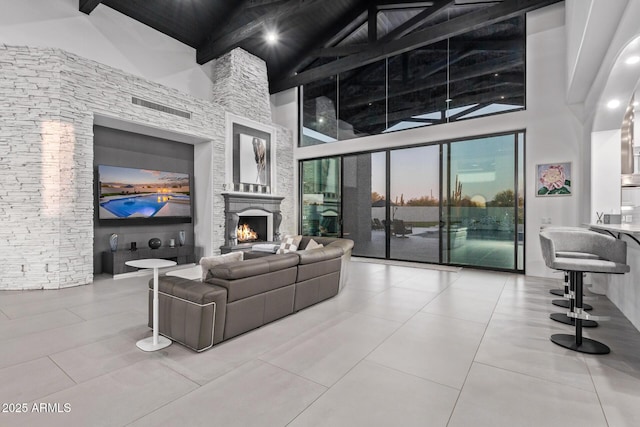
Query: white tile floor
{"x": 400, "y": 346}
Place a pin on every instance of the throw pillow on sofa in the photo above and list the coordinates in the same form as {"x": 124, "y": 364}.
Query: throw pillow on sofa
{"x": 313, "y": 245}
{"x": 289, "y": 244}
{"x": 209, "y": 262}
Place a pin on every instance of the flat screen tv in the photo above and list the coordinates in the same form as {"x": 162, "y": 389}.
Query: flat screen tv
{"x": 129, "y": 195}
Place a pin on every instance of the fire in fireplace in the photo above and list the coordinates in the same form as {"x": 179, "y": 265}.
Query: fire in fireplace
{"x": 252, "y": 229}
{"x": 246, "y": 234}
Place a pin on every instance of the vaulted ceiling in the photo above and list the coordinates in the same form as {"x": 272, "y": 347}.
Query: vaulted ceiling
{"x": 318, "y": 38}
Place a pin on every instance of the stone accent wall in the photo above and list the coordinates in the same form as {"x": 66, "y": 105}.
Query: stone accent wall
{"x": 48, "y": 99}
{"x": 241, "y": 86}
{"x": 285, "y": 167}
{"x": 30, "y": 172}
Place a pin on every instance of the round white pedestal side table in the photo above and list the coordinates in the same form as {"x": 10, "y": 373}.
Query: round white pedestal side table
{"x": 155, "y": 342}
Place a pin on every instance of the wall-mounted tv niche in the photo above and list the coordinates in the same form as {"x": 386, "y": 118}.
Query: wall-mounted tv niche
{"x": 130, "y": 196}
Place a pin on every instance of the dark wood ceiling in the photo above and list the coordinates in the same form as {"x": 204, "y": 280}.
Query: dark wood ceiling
{"x": 317, "y": 38}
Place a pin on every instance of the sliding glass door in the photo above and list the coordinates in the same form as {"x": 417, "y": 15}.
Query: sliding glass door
{"x": 455, "y": 202}
{"x": 365, "y": 203}
{"x": 481, "y": 210}
{"x": 415, "y": 204}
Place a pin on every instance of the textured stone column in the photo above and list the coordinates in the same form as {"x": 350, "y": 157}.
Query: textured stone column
{"x": 240, "y": 84}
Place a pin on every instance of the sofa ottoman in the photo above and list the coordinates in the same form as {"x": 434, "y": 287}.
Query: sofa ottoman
{"x": 191, "y": 312}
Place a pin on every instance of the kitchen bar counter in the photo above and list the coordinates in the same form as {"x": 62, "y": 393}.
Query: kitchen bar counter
{"x": 623, "y": 289}
{"x": 633, "y": 229}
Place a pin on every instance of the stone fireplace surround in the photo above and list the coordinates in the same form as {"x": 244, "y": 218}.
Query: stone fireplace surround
{"x": 237, "y": 205}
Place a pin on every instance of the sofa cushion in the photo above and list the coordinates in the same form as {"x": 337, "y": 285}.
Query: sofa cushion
{"x": 246, "y": 287}
{"x": 190, "y": 290}
{"x": 207, "y": 263}
{"x": 345, "y": 244}
{"x": 317, "y": 269}
{"x": 319, "y": 254}
{"x": 254, "y": 267}
{"x": 314, "y": 290}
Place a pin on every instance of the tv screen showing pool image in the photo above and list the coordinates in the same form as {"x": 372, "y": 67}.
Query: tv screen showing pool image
{"x": 128, "y": 193}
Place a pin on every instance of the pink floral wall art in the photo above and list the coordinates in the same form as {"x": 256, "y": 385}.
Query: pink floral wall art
{"x": 553, "y": 179}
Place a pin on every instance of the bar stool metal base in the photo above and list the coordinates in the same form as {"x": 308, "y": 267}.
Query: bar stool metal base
{"x": 557, "y": 292}
{"x": 588, "y": 346}
{"x": 563, "y": 318}
{"x": 565, "y": 304}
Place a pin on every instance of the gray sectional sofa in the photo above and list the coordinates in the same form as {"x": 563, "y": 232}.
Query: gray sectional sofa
{"x": 240, "y": 296}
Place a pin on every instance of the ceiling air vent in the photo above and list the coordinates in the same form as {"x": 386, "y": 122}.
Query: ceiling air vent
{"x": 160, "y": 107}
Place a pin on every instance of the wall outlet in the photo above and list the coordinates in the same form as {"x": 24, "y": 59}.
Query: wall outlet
{"x": 545, "y": 220}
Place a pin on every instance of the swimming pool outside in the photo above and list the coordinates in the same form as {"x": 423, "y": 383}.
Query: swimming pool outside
{"x": 144, "y": 206}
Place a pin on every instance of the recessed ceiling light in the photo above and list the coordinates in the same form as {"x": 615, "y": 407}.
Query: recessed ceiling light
{"x": 614, "y": 103}
{"x": 632, "y": 60}
{"x": 271, "y": 37}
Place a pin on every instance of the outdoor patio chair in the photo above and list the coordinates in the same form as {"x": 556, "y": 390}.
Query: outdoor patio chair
{"x": 400, "y": 229}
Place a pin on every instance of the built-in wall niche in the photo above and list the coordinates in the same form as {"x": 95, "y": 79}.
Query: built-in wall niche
{"x": 137, "y": 151}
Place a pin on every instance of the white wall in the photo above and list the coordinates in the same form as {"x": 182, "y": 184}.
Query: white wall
{"x": 591, "y": 25}
{"x": 605, "y": 173}
{"x": 284, "y": 110}
{"x": 105, "y": 36}
{"x": 553, "y": 133}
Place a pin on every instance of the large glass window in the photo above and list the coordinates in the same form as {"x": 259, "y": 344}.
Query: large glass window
{"x": 457, "y": 203}
{"x": 418, "y": 87}
{"x": 362, "y": 107}
{"x": 471, "y": 75}
{"x": 319, "y": 112}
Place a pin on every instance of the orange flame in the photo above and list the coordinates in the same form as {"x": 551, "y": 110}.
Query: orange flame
{"x": 245, "y": 233}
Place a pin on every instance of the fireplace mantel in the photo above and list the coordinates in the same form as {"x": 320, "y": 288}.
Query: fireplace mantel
{"x": 235, "y": 203}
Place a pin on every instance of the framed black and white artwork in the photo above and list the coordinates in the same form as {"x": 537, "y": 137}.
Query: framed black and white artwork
{"x": 253, "y": 160}
{"x": 250, "y": 156}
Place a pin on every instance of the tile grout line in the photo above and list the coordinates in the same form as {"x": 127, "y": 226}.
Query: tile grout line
{"x": 410, "y": 374}
{"x": 595, "y": 388}
{"x": 106, "y": 337}
{"x": 358, "y": 362}
{"x": 326, "y": 388}
{"x": 473, "y": 360}
{"x": 62, "y": 369}
{"x": 198, "y": 387}
{"x": 401, "y": 324}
